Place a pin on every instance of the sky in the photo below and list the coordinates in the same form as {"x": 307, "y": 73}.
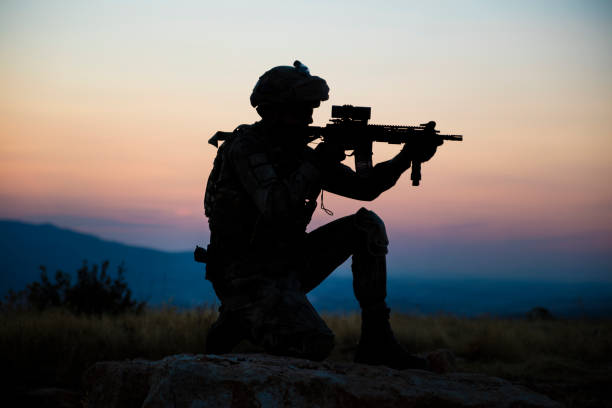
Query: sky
{"x": 106, "y": 108}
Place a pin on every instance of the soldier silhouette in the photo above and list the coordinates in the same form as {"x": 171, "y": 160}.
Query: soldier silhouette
{"x": 260, "y": 197}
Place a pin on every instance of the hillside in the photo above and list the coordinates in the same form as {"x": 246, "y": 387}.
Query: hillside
{"x": 159, "y": 276}
{"x": 153, "y": 275}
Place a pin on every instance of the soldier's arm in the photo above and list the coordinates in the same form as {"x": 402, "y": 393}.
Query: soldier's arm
{"x": 273, "y": 196}
{"x": 342, "y": 180}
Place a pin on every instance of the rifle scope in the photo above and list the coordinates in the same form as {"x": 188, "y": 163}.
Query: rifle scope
{"x": 350, "y": 112}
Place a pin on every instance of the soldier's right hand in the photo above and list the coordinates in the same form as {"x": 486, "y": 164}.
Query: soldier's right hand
{"x": 329, "y": 154}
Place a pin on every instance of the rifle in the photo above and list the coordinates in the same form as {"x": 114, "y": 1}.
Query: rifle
{"x": 349, "y": 129}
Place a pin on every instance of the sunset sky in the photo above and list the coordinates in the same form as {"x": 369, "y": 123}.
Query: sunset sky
{"x": 106, "y": 108}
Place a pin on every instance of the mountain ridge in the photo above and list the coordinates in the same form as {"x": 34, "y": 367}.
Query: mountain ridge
{"x": 24, "y": 247}
{"x": 162, "y": 277}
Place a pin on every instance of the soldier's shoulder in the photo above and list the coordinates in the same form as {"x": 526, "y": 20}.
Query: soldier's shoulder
{"x": 246, "y": 137}
{"x": 248, "y": 131}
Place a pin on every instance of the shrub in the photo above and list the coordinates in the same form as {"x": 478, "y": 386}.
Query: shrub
{"x": 539, "y": 313}
{"x": 93, "y": 292}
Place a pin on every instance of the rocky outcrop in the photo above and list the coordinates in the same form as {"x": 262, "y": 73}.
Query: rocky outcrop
{"x": 255, "y": 380}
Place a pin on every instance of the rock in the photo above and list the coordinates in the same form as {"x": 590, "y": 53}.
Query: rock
{"x": 257, "y": 380}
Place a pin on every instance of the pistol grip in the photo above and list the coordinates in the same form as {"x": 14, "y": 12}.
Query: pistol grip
{"x": 200, "y": 255}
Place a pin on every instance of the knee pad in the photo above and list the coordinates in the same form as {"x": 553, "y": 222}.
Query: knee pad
{"x": 374, "y": 228}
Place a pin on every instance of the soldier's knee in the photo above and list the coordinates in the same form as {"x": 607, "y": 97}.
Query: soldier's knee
{"x": 374, "y": 230}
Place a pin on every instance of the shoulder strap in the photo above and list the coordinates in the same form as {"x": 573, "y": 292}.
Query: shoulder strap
{"x": 223, "y": 136}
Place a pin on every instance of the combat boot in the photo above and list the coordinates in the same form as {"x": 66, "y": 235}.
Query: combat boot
{"x": 378, "y": 346}
{"x": 225, "y": 333}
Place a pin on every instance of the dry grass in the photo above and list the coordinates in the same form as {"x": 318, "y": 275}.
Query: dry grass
{"x": 557, "y": 357}
{"x": 54, "y": 347}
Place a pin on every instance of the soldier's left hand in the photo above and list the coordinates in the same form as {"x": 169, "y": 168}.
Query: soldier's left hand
{"x": 422, "y": 148}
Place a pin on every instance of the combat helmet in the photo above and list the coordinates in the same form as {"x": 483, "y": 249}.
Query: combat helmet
{"x": 286, "y": 85}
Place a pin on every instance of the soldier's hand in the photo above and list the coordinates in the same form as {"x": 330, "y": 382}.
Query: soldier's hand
{"x": 421, "y": 148}
{"x": 328, "y": 153}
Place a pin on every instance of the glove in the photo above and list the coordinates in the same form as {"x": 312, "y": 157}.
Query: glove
{"x": 421, "y": 148}
{"x": 327, "y": 154}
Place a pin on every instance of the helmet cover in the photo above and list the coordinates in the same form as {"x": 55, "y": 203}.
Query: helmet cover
{"x": 285, "y": 84}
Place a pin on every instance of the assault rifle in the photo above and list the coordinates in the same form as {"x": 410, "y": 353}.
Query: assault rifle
{"x": 349, "y": 129}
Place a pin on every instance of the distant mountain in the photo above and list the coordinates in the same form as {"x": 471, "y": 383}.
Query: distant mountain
{"x": 153, "y": 275}
{"x": 174, "y": 277}
{"x": 475, "y": 296}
